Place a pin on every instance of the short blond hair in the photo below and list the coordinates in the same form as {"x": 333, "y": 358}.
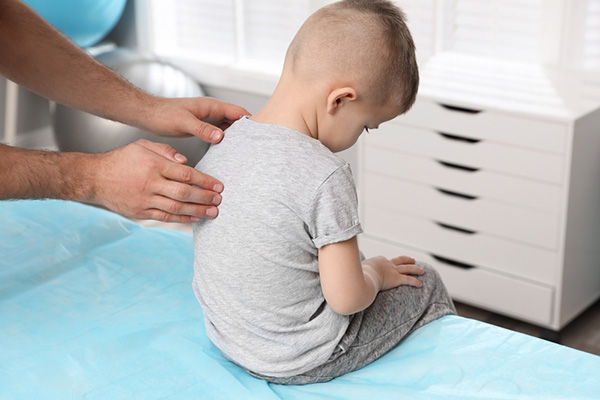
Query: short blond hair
{"x": 366, "y": 39}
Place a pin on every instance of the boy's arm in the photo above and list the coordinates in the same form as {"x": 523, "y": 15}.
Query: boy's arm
{"x": 349, "y": 286}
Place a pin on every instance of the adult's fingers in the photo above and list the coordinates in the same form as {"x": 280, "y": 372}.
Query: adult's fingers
{"x": 203, "y": 117}
{"x": 144, "y": 180}
{"x": 182, "y": 192}
{"x": 209, "y": 117}
{"x": 164, "y": 150}
{"x": 218, "y": 111}
{"x": 182, "y": 173}
{"x": 207, "y": 132}
{"x": 191, "y": 176}
{"x": 169, "y": 210}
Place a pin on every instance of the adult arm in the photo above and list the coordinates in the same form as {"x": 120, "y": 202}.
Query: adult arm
{"x": 131, "y": 180}
{"x": 38, "y": 57}
{"x": 350, "y": 286}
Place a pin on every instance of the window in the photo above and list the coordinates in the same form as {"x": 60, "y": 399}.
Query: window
{"x": 590, "y": 54}
{"x": 420, "y": 16}
{"x": 251, "y": 34}
{"x": 509, "y": 29}
{"x": 591, "y": 38}
{"x": 250, "y": 37}
{"x": 496, "y": 28}
{"x": 268, "y": 28}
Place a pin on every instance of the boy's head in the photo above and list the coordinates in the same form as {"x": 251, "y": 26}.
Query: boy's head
{"x": 363, "y": 39}
{"x": 360, "y": 53}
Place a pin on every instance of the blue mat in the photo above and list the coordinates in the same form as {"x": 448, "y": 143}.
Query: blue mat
{"x": 93, "y": 306}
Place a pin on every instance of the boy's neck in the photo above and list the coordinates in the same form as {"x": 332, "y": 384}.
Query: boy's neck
{"x": 287, "y": 107}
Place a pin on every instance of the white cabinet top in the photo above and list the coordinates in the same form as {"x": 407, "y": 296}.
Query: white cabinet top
{"x": 533, "y": 89}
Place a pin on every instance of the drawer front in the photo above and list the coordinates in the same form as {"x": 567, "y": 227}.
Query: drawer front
{"x": 462, "y": 210}
{"x": 484, "y": 154}
{"x": 466, "y": 247}
{"x": 486, "y": 289}
{"x": 482, "y": 124}
{"x": 478, "y": 182}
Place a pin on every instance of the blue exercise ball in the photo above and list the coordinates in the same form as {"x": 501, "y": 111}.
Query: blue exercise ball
{"x": 76, "y": 130}
{"x": 85, "y": 22}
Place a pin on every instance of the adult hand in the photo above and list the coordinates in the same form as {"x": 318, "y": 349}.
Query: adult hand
{"x": 158, "y": 186}
{"x": 203, "y": 117}
{"x": 148, "y": 180}
{"x": 143, "y": 179}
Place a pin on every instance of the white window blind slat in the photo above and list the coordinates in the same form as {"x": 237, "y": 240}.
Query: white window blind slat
{"x": 252, "y": 34}
{"x": 269, "y": 27}
{"x": 197, "y": 29}
{"x": 420, "y": 16}
{"x": 496, "y": 28}
{"x": 591, "y": 38}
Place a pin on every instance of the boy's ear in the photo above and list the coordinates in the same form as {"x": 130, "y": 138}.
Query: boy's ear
{"x": 340, "y": 97}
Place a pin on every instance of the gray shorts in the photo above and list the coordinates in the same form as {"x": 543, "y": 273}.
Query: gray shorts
{"x": 394, "y": 314}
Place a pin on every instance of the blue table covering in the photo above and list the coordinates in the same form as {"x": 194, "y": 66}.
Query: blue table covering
{"x": 94, "y": 306}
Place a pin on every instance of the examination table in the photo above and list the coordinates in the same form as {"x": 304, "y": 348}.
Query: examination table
{"x": 94, "y": 306}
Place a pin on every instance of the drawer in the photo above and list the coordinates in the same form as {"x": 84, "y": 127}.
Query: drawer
{"x": 481, "y": 154}
{"x": 488, "y": 124}
{"x": 485, "y": 289}
{"x": 478, "y": 182}
{"x": 467, "y": 247}
{"x": 462, "y": 210}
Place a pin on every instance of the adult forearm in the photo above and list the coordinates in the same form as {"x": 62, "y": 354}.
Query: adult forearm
{"x": 42, "y": 174}
{"x": 37, "y": 56}
{"x": 142, "y": 180}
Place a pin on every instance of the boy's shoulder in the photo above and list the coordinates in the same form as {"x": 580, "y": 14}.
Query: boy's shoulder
{"x": 278, "y": 145}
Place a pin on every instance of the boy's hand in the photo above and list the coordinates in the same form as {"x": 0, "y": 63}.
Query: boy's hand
{"x": 350, "y": 286}
{"x": 393, "y": 273}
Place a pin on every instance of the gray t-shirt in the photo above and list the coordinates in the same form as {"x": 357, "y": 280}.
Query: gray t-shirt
{"x": 256, "y": 272}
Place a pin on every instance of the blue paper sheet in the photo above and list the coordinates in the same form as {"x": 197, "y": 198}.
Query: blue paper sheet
{"x": 93, "y": 306}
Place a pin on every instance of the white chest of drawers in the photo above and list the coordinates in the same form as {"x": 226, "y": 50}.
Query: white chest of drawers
{"x": 504, "y": 199}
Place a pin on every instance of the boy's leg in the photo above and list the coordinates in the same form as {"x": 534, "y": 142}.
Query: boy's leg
{"x": 373, "y": 332}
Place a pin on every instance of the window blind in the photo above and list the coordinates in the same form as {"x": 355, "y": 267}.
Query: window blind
{"x": 496, "y": 28}
{"x": 269, "y": 26}
{"x": 591, "y": 39}
{"x": 252, "y": 34}
{"x": 420, "y": 16}
{"x": 195, "y": 29}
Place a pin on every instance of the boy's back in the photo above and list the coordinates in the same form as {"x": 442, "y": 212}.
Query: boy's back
{"x": 256, "y": 267}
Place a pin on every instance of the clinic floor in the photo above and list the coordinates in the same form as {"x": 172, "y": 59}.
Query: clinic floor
{"x": 582, "y": 334}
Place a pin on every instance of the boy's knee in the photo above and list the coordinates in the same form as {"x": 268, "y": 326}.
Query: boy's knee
{"x": 431, "y": 277}
{"x": 433, "y": 280}
{"x": 429, "y": 270}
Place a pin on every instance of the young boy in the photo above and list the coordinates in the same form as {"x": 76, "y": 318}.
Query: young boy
{"x": 278, "y": 273}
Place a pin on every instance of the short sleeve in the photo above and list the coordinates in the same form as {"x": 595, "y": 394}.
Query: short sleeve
{"x": 333, "y": 212}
